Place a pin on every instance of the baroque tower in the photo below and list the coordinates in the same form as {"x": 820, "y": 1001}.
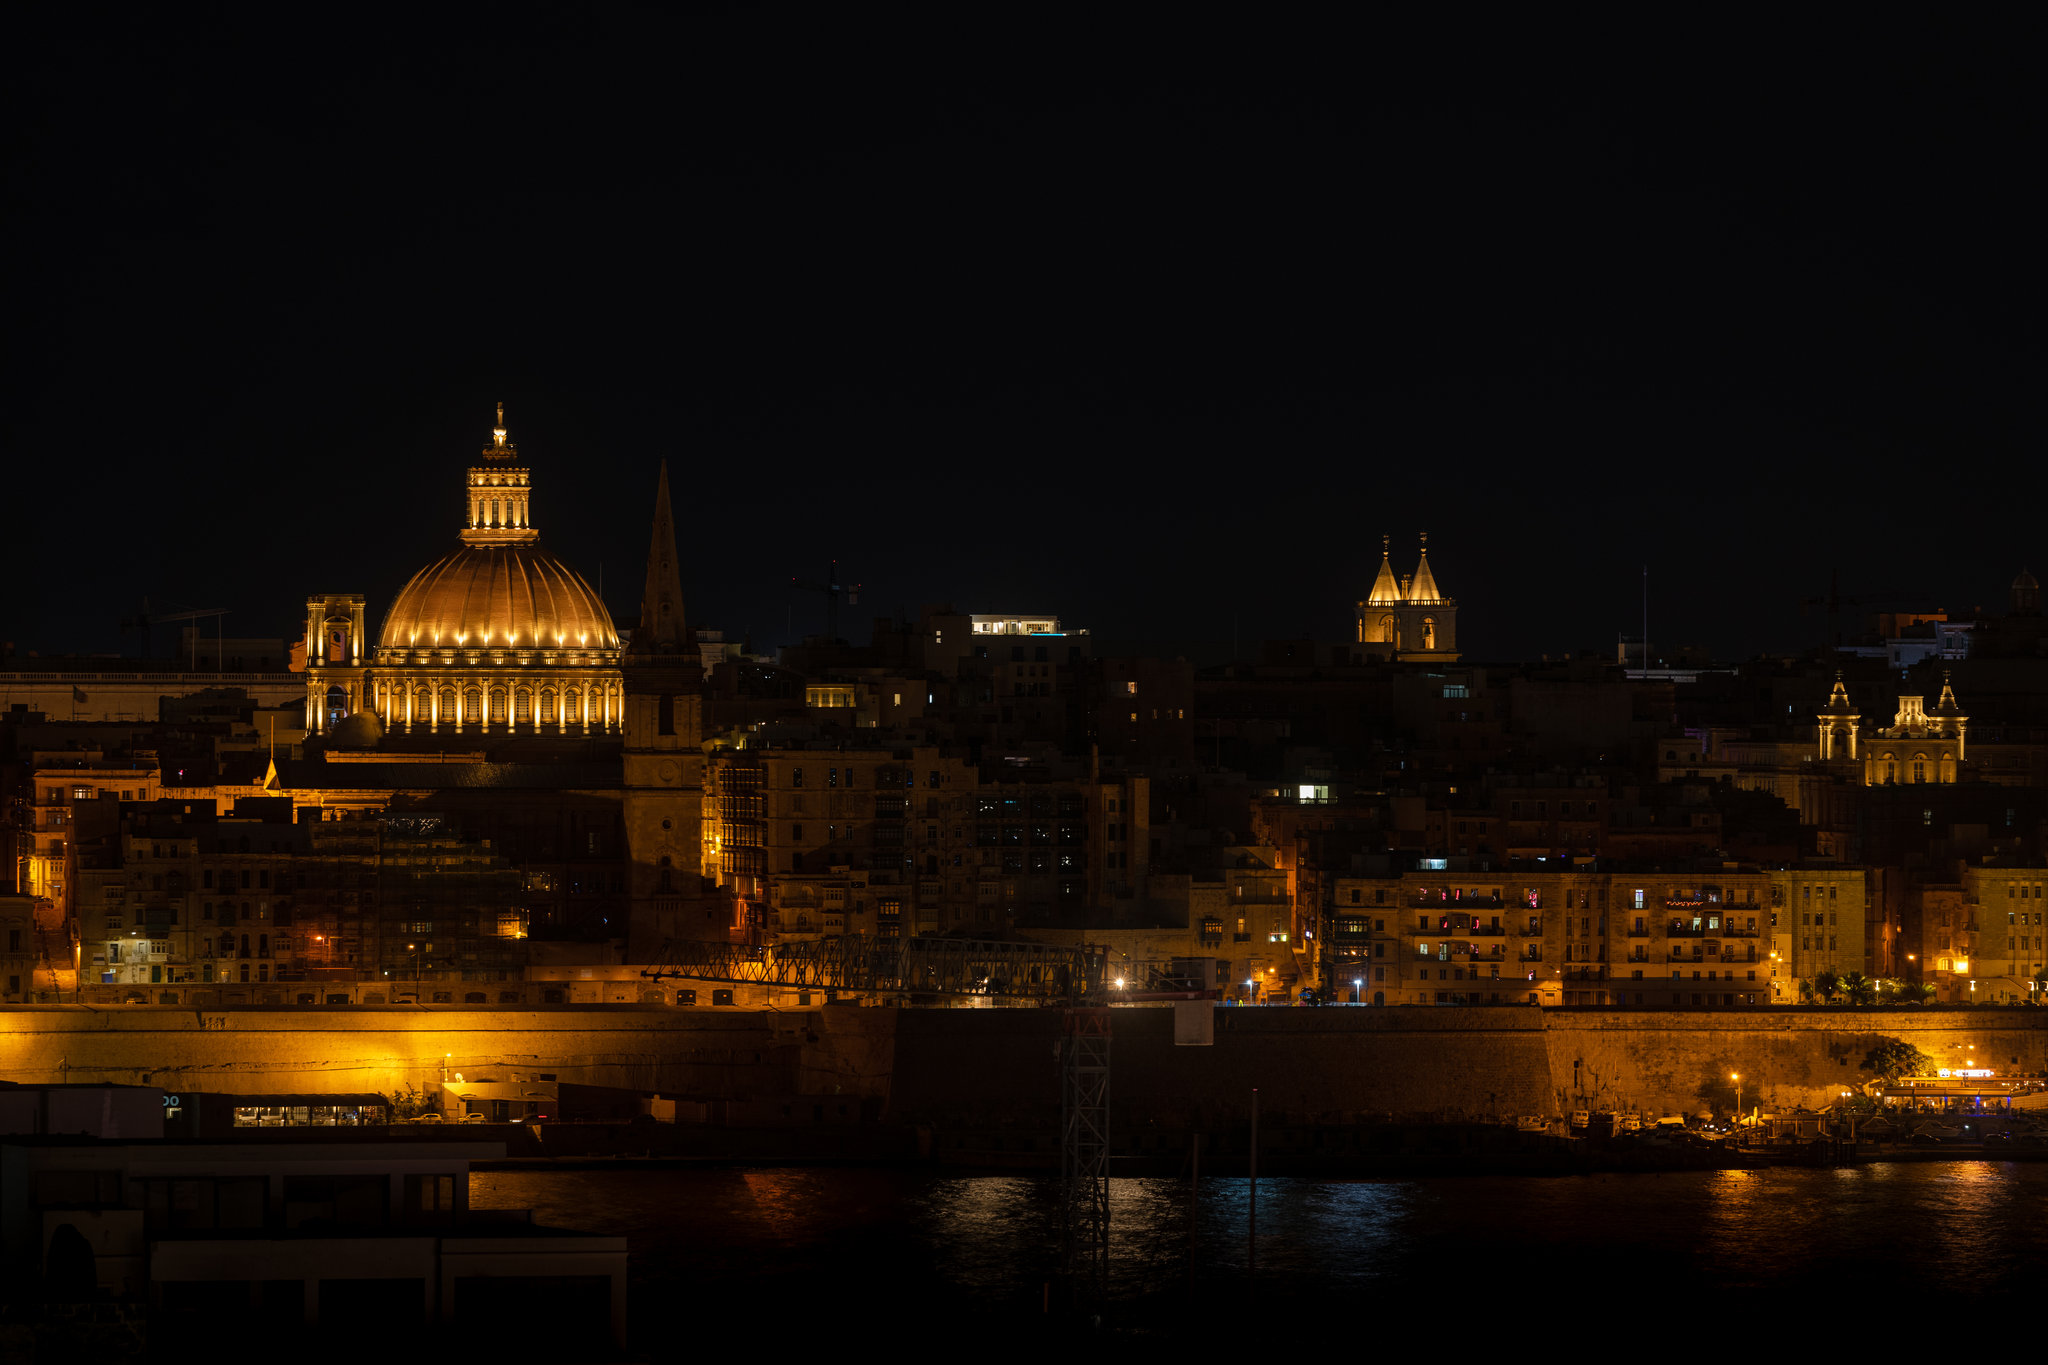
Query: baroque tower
{"x": 664, "y": 761}
{"x": 1409, "y": 618}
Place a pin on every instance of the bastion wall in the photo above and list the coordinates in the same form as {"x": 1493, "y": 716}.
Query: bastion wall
{"x": 999, "y": 1067}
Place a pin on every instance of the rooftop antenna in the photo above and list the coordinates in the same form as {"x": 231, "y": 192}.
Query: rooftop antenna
{"x": 1646, "y": 620}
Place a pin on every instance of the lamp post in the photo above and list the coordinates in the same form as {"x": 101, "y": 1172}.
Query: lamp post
{"x": 1736, "y": 1076}
{"x": 1358, "y": 990}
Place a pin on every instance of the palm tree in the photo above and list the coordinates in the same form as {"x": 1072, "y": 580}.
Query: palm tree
{"x": 1828, "y": 984}
{"x": 1860, "y": 989}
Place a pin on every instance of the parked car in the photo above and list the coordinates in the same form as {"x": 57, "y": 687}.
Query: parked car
{"x": 430, "y": 1116}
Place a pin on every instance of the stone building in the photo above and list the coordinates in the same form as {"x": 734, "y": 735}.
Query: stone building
{"x": 1567, "y": 937}
{"x": 662, "y": 774}
{"x": 1919, "y": 745}
{"x": 2001, "y": 922}
{"x": 896, "y": 840}
{"x": 1408, "y": 618}
{"x": 496, "y": 637}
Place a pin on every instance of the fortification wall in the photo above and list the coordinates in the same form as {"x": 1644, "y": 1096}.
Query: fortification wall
{"x": 997, "y": 1067}
{"x": 712, "y": 1054}
{"x": 1681, "y": 1062}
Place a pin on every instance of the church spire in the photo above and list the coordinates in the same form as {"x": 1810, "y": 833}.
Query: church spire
{"x": 1424, "y": 588}
{"x": 662, "y": 629}
{"x": 1385, "y": 590}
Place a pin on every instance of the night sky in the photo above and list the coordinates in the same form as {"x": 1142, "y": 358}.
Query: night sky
{"x": 1159, "y": 331}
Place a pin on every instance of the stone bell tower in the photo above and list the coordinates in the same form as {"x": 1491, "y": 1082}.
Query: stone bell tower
{"x": 664, "y": 761}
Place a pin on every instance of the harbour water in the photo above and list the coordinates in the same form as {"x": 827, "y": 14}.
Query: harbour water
{"x": 721, "y": 1254}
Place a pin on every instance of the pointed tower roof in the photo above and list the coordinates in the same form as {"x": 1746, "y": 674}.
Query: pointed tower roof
{"x": 1424, "y": 589}
{"x": 1385, "y": 591}
{"x": 662, "y": 629}
{"x": 1946, "y": 706}
{"x": 1838, "y": 701}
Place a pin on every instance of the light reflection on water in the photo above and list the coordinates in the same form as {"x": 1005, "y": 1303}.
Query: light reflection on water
{"x": 983, "y": 1247}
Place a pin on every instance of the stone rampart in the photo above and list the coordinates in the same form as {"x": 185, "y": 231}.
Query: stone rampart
{"x": 999, "y": 1067}
{"x": 710, "y": 1054}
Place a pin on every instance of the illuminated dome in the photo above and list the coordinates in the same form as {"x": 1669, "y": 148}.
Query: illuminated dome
{"x": 497, "y": 637}
{"x": 499, "y": 597}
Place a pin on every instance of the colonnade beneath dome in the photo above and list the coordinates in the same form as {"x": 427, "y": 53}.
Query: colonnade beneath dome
{"x": 465, "y": 703}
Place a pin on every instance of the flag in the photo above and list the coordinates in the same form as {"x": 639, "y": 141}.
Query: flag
{"x": 77, "y": 693}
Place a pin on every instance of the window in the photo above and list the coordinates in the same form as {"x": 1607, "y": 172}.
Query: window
{"x": 796, "y": 777}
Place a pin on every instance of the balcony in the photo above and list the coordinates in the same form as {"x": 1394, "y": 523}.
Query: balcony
{"x": 1533, "y": 929}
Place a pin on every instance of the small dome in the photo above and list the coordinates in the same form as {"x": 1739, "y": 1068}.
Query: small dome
{"x": 2026, "y": 582}
{"x": 360, "y": 731}
{"x": 499, "y": 597}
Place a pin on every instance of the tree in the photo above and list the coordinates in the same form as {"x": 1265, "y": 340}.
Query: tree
{"x": 1827, "y": 984}
{"x": 409, "y": 1104}
{"x": 1805, "y": 991}
{"x": 1893, "y": 1058}
{"x": 1859, "y": 989}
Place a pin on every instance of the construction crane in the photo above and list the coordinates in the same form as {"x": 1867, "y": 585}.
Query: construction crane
{"x": 1834, "y": 601}
{"x": 144, "y": 619}
{"x": 833, "y": 590}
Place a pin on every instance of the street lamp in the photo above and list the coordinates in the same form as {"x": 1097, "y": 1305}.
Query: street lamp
{"x": 1358, "y": 990}
{"x": 1736, "y": 1076}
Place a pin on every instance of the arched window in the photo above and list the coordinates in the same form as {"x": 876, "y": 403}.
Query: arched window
{"x": 547, "y": 706}
{"x": 1919, "y": 767}
{"x": 522, "y": 707}
{"x": 1387, "y": 629}
{"x": 1891, "y": 770}
{"x": 1948, "y": 767}
{"x": 473, "y": 707}
{"x": 497, "y": 706}
{"x": 1429, "y": 632}
{"x": 448, "y": 705}
{"x": 572, "y": 705}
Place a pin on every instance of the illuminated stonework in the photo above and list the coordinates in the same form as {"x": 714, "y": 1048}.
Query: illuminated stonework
{"x": 1919, "y": 745}
{"x": 1408, "y": 618}
{"x": 497, "y": 637}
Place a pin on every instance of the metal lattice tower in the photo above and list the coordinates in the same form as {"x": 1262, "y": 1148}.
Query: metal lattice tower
{"x": 1084, "y": 1146}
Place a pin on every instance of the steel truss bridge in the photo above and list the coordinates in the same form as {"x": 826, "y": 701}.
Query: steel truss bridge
{"x": 858, "y": 964}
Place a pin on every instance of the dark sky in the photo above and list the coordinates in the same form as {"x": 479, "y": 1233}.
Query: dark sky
{"x": 1157, "y": 331}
